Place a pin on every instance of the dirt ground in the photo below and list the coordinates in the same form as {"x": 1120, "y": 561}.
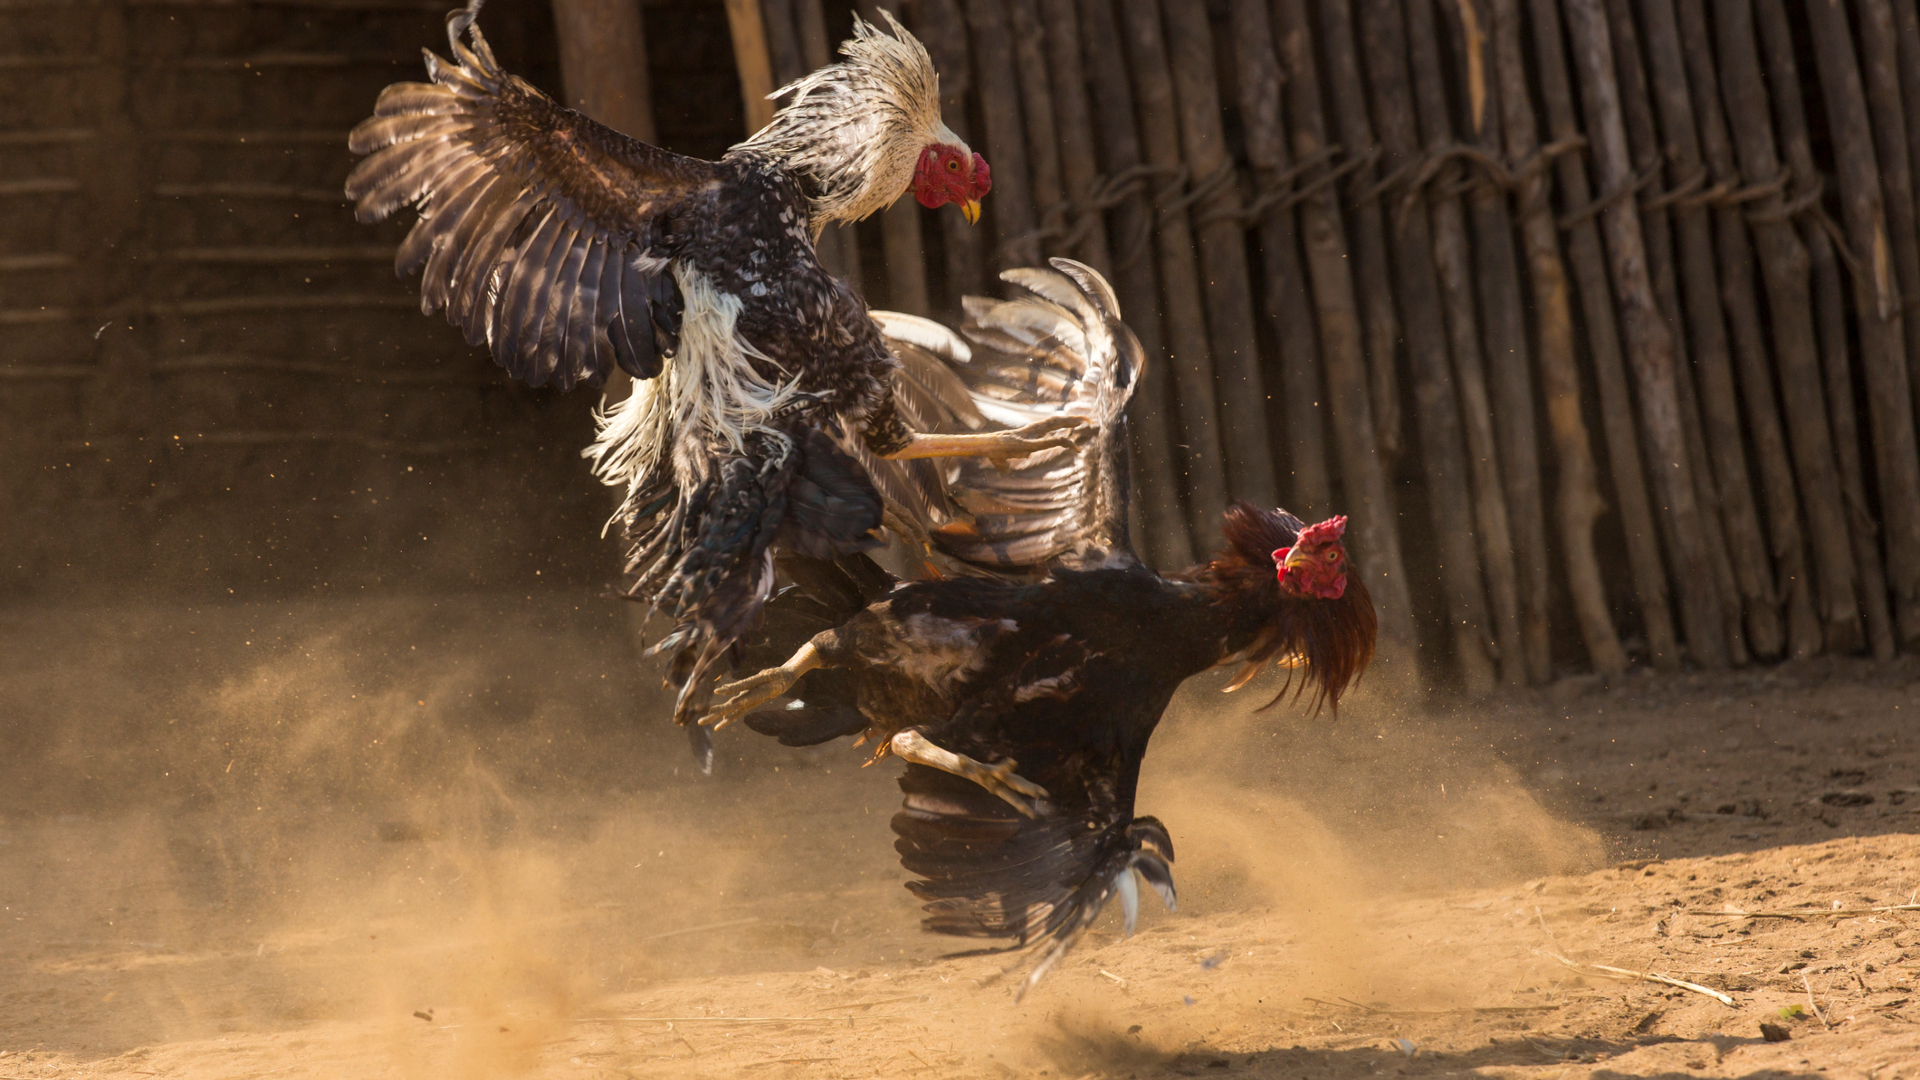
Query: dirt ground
{"x": 450, "y": 837}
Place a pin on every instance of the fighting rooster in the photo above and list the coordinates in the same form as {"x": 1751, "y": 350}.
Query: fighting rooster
{"x": 1024, "y": 707}
{"x": 766, "y": 391}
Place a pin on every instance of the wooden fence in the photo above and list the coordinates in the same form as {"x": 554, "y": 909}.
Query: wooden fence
{"x": 1589, "y": 312}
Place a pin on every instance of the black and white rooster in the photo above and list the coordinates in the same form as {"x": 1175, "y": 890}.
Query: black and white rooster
{"x": 1023, "y": 688}
{"x": 766, "y": 394}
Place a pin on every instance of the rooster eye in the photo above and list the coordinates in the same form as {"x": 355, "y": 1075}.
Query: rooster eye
{"x": 953, "y": 165}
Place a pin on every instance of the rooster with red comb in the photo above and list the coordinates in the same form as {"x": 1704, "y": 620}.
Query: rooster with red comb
{"x": 1022, "y": 685}
{"x": 765, "y": 403}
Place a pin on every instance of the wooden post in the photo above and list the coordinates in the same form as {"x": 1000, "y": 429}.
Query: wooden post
{"x": 603, "y": 66}
{"x": 1729, "y": 288}
{"x": 1363, "y": 474}
{"x": 1830, "y": 303}
{"x": 1906, "y": 19}
{"x": 1649, "y": 164}
{"x": 797, "y": 29}
{"x": 1742, "y": 306}
{"x": 1880, "y": 70}
{"x": 1137, "y": 281}
{"x": 1878, "y": 304}
{"x": 1454, "y": 264}
{"x": 1073, "y": 124}
{"x": 1179, "y": 275}
{"x": 1784, "y": 264}
{"x": 1503, "y": 317}
{"x": 906, "y": 261}
{"x": 1010, "y": 207}
{"x": 603, "y": 63}
{"x": 1578, "y": 497}
{"x": 1442, "y": 449}
{"x": 1369, "y": 248}
{"x": 941, "y": 28}
{"x": 1648, "y": 340}
{"x": 1239, "y": 385}
{"x": 1309, "y": 493}
{"x": 1453, "y": 260}
{"x": 1637, "y": 519}
{"x": 749, "y": 31}
{"x": 1036, "y": 105}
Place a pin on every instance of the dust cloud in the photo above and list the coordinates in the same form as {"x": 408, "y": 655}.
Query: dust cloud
{"x": 347, "y": 820}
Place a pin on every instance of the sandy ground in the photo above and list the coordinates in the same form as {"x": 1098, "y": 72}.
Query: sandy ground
{"x": 447, "y": 837}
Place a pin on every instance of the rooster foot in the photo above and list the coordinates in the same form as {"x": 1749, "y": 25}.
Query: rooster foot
{"x": 748, "y": 694}
{"x": 999, "y": 778}
{"x": 1001, "y": 448}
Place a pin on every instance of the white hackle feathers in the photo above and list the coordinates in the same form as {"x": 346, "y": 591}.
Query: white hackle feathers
{"x": 709, "y": 397}
{"x": 855, "y": 129}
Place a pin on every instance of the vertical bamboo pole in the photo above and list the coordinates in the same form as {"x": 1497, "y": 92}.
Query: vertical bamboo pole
{"x": 1906, "y": 19}
{"x": 1880, "y": 69}
{"x": 603, "y": 63}
{"x": 749, "y": 30}
{"x": 1239, "y": 385}
{"x": 1618, "y": 422}
{"x": 941, "y": 28}
{"x": 1136, "y": 280}
{"x": 1179, "y": 274}
{"x": 1578, "y": 497}
{"x": 839, "y": 244}
{"x": 1454, "y": 264}
{"x": 1369, "y": 248}
{"x": 1079, "y": 158}
{"x": 1363, "y": 475}
{"x": 1785, "y": 266}
{"x": 1442, "y": 449}
{"x": 1742, "y": 305}
{"x": 906, "y": 264}
{"x": 1036, "y": 99}
{"x": 1503, "y": 318}
{"x": 1728, "y": 288}
{"x": 603, "y": 66}
{"x": 1648, "y": 340}
{"x": 1830, "y": 311}
{"x": 1287, "y": 305}
{"x": 1010, "y": 209}
{"x": 1643, "y": 142}
{"x": 1877, "y": 301}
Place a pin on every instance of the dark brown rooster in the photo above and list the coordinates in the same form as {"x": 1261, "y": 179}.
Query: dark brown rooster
{"x": 1023, "y": 701}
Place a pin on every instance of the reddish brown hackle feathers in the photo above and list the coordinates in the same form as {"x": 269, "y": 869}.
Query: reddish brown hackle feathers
{"x": 1333, "y": 639}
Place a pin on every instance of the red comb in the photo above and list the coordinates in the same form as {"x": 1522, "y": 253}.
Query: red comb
{"x": 1325, "y": 532}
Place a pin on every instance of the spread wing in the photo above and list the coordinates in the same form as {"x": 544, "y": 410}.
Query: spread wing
{"x": 986, "y": 871}
{"x": 540, "y": 231}
{"x": 1059, "y": 350}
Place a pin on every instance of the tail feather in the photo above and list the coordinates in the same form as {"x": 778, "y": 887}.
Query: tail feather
{"x": 985, "y": 871}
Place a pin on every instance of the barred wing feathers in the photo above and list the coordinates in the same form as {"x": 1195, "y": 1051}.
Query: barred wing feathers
{"x": 985, "y": 871}
{"x": 1059, "y": 350}
{"x": 540, "y": 232}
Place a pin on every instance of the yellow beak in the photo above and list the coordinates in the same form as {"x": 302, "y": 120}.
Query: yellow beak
{"x": 971, "y": 211}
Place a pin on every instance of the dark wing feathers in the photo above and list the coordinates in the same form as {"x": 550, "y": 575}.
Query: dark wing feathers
{"x": 985, "y": 871}
{"x": 1058, "y": 350}
{"x": 540, "y": 231}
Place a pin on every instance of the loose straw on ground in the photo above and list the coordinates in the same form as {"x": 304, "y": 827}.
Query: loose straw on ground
{"x": 1810, "y": 913}
{"x": 1627, "y": 973}
{"x": 1644, "y": 976}
{"x": 1812, "y": 1004}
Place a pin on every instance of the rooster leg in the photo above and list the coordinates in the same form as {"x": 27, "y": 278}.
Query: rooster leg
{"x": 1019, "y": 792}
{"x": 999, "y": 447}
{"x": 754, "y": 691}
